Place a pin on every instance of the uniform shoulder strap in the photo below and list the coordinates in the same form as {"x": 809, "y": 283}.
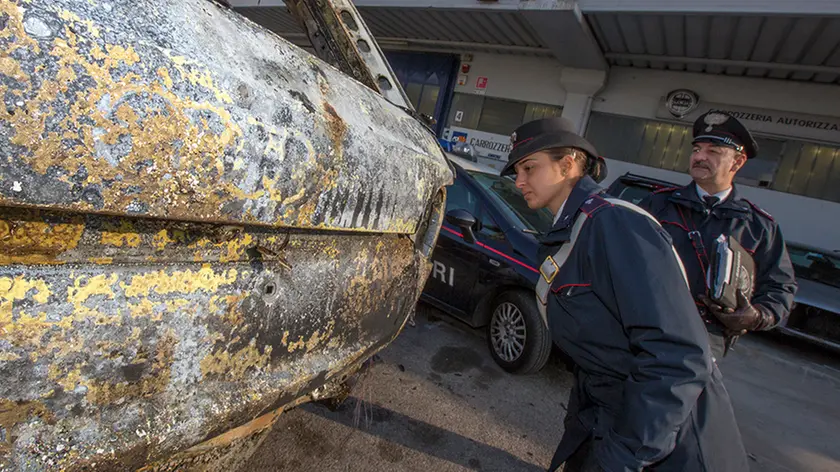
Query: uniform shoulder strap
{"x": 759, "y": 210}
{"x": 552, "y": 264}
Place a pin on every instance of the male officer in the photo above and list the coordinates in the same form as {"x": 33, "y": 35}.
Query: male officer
{"x": 697, "y": 214}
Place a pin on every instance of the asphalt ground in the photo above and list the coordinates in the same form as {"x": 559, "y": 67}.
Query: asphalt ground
{"x": 434, "y": 400}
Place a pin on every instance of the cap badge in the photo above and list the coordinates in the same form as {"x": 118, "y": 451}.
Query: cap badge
{"x": 715, "y": 119}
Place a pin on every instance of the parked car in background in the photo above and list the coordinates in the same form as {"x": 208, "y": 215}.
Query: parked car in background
{"x": 634, "y": 188}
{"x": 815, "y": 316}
{"x": 485, "y": 266}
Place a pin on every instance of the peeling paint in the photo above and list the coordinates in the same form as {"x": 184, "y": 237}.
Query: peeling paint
{"x": 199, "y": 225}
{"x": 117, "y": 124}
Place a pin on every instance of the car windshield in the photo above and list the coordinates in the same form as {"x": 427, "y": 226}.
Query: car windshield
{"x": 815, "y": 265}
{"x": 504, "y": 191}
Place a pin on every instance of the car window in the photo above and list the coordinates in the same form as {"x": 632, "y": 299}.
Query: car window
{"x": 489, "y": 226}
{"x": 503, "y": 190}
{"x": 814, "y": 265}
{"x": 459, "y": 197}
{"x": 634, "y": 194}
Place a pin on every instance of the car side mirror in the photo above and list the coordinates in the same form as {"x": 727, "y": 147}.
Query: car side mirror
{"x": 463, "y": 220}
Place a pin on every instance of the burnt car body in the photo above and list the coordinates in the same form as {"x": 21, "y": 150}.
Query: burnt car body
{"x": 815, "y": 315}
{"x": 201, "y": 225}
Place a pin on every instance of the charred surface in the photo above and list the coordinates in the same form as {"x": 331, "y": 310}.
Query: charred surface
{"x": 199, "y": 224}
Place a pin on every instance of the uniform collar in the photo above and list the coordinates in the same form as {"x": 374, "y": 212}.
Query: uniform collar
{"x": 688, "y": 196}
{"x": 559, "y": 213}
{"x": 721, "y": 196}
{"x": 585, "y": 188}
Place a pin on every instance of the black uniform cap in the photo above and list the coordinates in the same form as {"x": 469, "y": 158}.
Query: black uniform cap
{"x": 722, "y": 129}
{"x": 547, "y": 133}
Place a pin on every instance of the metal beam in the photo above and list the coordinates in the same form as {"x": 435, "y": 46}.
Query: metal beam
{"x": 718, "y": 7}
{"x": 430, "y": 44}
{"x": 438, "y": 4}
{"x": 724, "y": 62}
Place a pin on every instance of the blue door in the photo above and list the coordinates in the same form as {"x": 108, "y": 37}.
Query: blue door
{"x": 429, "y": 81}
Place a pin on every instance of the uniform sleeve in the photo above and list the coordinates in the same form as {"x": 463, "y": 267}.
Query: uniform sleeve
{"x": 775, "y": 281}
{"x": 636, "y": 274}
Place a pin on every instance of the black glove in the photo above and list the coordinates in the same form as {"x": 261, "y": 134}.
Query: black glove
{"x": 746, "y": 317}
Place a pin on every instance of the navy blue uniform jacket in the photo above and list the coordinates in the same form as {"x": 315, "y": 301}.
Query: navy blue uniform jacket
{"x": 647, "y": 392}
{"x": 680, "y": 211}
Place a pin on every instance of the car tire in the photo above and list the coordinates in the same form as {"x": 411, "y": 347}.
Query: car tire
{"x": 510, "y": 313}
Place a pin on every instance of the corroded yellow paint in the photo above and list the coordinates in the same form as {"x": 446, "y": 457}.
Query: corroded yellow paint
{"x": 152, "y": 382}
{"x": 144, "y": 308}
{"x": 235, "y": 249}
{"x": 14, "y": 28}
{"x": 8, "y": 356}
{"x": 34, "y": 242}
{"x": 68, "y": 379}
{"x": 122, "y": 235}
{"x": 27, "y": 329}
{"x": 85, "y": 287}
{"x": 185, "y": 281}
{"x": 162, "y": 239}
{"x": 233, "y": 366}
{"x": 13, "y": 289}
{"x": 199, "y": 77}
{"x": 163, "y": 73}
{"x": 101, "y": 260}
{"x": 11, "y": 68}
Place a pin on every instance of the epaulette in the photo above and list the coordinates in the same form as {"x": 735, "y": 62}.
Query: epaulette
{"x": 759, "y": 210}
{"x": 666, "y": 189}
{"x": 593, "y": 204}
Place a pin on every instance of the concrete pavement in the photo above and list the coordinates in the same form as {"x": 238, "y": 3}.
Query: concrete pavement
{"x": 434, "y": 400}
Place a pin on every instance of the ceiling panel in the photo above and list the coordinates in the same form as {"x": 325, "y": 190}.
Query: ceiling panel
{"x": 721, "y": 35}
{"x": 783, "y": 39}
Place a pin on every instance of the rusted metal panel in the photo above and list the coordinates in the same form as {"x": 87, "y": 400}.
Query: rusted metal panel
{"x": 185, "y": 110}
{"x": 199, "y": 224}
{"x": 126, "y": 340}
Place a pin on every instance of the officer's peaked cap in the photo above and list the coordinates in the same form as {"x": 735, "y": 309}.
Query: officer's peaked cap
{"x": 546, "y": 133}
{"x": 722, "y": 129}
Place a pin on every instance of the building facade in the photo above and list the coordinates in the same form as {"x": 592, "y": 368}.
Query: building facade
{"x": 632, "y": 75}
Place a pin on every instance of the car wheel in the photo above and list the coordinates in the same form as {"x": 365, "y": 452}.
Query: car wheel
{"x": 519, "y": 341}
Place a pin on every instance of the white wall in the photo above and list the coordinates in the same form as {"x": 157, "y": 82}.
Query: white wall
{"x": 528, "y": 79}
{"x": 801, "y": 219}
{"x": 637, "y": 92}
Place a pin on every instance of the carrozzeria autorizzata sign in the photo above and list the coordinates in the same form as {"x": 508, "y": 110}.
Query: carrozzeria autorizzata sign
{"x": 493, "y": 146}
{"x": 775, "y": 122}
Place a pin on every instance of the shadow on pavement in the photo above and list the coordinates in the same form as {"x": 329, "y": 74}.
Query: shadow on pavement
{"x": 421, "y": 436}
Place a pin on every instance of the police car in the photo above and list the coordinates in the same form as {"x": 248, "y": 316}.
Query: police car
{"x": 485, "y": 266}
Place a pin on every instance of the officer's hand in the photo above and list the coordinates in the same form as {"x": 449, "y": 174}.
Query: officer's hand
{"x": 745, "y": 318}
{"x": 714, "y": 307}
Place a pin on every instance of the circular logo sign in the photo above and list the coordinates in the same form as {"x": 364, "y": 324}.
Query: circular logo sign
{"x": 682, "y": 102}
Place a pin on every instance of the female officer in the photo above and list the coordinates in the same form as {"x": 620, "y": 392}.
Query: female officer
{"x": 647, "y": 394}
